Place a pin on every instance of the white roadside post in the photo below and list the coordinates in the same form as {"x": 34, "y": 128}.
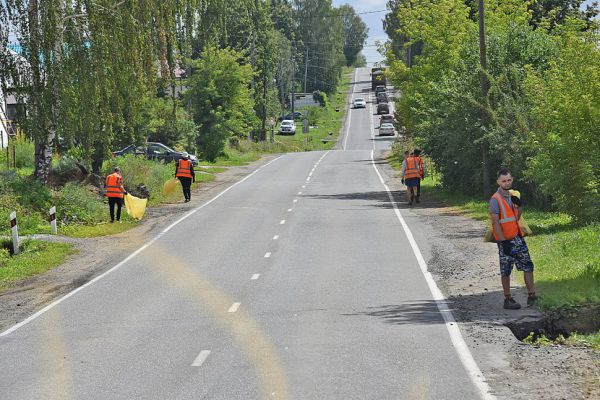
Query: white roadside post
{"x": 53, "y": 220}
{"x": 15, "y": 232}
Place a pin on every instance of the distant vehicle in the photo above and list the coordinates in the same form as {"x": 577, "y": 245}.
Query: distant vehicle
{"x": 377, "y": 77}
{"x": 382, "y": 97}
{"x": 383, "y": 108}
{"x": 155, "y": 151}
{"x": 380, "y": 89}
{"x": 386, "y": 119}
{"x": 287, "y": 127}
{"x": 297, "y": 116}
{"x": 387, "y": 129}
{"x": 359, "y": 103}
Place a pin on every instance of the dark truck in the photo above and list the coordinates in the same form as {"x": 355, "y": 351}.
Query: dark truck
{"x": 377, "y": 77}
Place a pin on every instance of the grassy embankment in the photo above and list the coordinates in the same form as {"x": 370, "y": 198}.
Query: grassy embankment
{"x": 566, "y": 256}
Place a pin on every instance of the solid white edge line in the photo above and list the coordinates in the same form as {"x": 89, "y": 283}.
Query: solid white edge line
{"x": 128, "y": 258}
{"x": 234, "y": 307}
{"x": 255, "y": 277}
{"x": 350, "y": 111}
{"x": 201, "y": 358}
{"x": 458, "y": 341}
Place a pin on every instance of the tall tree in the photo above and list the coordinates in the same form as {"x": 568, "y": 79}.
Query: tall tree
{"x": 355, "y": 33}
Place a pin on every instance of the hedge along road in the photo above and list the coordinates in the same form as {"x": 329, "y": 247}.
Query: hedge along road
{"x": 300, "y": 282}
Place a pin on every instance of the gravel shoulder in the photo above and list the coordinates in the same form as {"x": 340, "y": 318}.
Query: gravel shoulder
{"x": 466, "y": 270}
{"x": 97, "y": 255}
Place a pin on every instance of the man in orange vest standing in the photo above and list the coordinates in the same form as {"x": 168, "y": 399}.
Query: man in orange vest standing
{"x": 115, "y": 192}
{"x": 184, "y": 171}
{"x": 411, "y": 175}
{"x": 512, "y": 249}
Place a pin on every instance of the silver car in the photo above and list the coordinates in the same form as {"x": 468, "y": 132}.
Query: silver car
{"x": 387, "y": 129}
{"x": 359, "y": 103}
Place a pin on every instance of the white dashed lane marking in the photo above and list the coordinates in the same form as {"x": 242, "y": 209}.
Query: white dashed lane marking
{"x": 276, "y": 237}
{"x": 234, "y": 307}
{"x": 267, "y": 255}
{"x": 201, "y": 358}
{"x": 255, "y": 277}
{"x": 282, "y": 222}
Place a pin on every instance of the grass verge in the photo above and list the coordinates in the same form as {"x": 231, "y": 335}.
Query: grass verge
{"x": 566, "y": 256}
{"x": 35, "y": 257}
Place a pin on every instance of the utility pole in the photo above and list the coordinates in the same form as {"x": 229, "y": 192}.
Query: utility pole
{"x": 305, "y": 68}
{"x": 485, "y": 87}
{"x": 293, "y": 79}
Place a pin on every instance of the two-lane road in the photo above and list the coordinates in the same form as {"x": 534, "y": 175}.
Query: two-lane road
{"x": 299, "y": 282}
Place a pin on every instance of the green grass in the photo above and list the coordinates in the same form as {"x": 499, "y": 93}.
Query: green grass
{"x": 566, "y": 256}
{"x": 592, "y": 340}
{"x": 36, "y": 257}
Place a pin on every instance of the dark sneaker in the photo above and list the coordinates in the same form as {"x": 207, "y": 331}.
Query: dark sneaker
{"x": 531, "y": 300}
{"x": 511, "y": 304}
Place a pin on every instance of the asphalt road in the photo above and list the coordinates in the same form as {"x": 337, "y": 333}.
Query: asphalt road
{"x": 297, "y": 283}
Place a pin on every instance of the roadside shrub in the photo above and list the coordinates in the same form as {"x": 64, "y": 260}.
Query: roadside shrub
{"x": 77, "y": 204}
{"x": 320, "y": 98}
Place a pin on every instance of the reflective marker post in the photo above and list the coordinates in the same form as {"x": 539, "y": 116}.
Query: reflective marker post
{"x": 14, "y": 231}
{"x": 53, "y": 220}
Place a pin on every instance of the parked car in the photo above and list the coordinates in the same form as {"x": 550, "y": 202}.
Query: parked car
{"x": 382, "y": 97}
{"x": 383, "y": 108}
{"x": 154, "y": 151}
{"x": 388, "y": 118}
{"x": 297, "y": 116}
{"x": 359, "y": 103}
{"x": 379, "y": 89}
{"x": 287, "y": 127}
{"x": 387, "y": 129}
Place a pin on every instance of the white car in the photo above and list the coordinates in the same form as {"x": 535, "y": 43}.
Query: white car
{"x": 359, "y": 103}
{"x": 287, "y": 127}
{"x": 386, "y": 129}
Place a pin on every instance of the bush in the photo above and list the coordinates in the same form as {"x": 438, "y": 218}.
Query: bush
{"x": 320, "y": 98}
{"x": 77, "y": 204}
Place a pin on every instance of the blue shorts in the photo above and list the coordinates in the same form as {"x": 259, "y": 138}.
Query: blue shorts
{"x": 519, "y": 256}
{"x": 413, "y": 182}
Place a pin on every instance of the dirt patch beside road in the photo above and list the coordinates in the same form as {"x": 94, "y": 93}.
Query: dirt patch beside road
{"x": 466, "y": 270}
{"x": 96, "y": 255}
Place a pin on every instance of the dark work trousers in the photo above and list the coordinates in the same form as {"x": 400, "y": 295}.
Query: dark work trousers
{"x": 112, "y": 201}
{"x": 186, "y": 184}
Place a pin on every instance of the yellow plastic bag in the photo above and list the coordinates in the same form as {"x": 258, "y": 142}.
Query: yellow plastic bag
{"x": 170, "y": 185}
{"x": 136, "y": 207}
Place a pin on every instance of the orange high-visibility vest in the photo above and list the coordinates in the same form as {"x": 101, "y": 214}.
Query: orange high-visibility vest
{"x": 184, "y": 168}
{"x": 113, "y": 185}
{"x": 420, "y": 162}
{"x": 508, "y": 219}
{"x": 413, "y": 168}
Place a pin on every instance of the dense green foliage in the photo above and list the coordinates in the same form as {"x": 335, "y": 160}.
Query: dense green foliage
{"x": 98, "y": 76}
{"x": 540, "y": 116}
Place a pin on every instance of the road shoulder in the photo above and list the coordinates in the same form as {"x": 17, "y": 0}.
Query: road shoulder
{"x": 466, "y": 270}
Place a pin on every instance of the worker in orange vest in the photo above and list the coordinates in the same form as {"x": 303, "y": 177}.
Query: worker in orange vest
{"x": 115, "y": 192}
{"x": 417, "y": 154}
{"x": 184, "y": 171}
{"x": 505, "y": 211}
{"x": 411, "y": 175}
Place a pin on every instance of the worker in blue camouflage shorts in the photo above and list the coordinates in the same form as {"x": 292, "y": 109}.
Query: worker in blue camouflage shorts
{"x": 505, "y": 211}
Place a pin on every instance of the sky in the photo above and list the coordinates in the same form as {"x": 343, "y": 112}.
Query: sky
{"x": 375, "y": 24}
